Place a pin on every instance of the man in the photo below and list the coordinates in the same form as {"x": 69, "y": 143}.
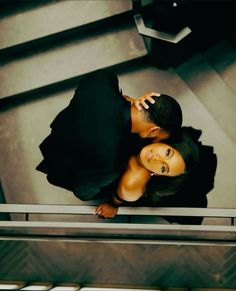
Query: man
{"x": 89, "y": 144}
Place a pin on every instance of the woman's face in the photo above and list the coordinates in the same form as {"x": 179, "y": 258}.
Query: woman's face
{"x": 162, "y": 159}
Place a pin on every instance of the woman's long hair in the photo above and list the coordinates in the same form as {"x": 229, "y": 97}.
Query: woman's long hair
{"x": 188, "y": 146}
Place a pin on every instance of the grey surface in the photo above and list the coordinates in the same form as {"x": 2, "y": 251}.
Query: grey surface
{"x": 212, "y": 91}
{"x": 54, "y": 18}
{"x": 222, "y": 58}
{"x": 71, "y": 59}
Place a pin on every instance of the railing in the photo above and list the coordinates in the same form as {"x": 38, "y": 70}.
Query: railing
{"x": 33, "y": 227}
{"x": 149, "y": 32}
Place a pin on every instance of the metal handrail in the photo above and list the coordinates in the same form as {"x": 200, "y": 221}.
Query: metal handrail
{"x": 84, "y": 209}
{"x": 118, "y": 226}
{"x": 146, "y": 31}
{"x": 116, "y": 232}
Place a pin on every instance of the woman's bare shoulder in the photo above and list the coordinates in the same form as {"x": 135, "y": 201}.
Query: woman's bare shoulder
{"x": 134, "y": 180}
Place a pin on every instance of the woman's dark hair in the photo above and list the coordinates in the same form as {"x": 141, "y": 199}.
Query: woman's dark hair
{"x": 188, "y": 146}
{"x": 166, "y": 113}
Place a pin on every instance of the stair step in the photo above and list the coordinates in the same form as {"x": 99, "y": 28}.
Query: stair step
{"x": 8, "y": 8}
{"x": 19, "y": 156}
{"x": 148, "y": 79}
{"x": 223, "y": 59}
{"x": 71, "y": 60}
{"x": 212, "y": 91}
{"x": 54, "y": 18}
{"x": 196, "y": 115}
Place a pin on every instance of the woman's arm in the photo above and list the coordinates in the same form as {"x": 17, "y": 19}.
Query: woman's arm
{"x": 131, "y": 187}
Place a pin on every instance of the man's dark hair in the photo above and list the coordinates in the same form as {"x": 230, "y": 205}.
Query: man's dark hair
{"x": 166, "y": 113}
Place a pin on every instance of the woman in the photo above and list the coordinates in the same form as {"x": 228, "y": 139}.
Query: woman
{"x": 167, "y": 164}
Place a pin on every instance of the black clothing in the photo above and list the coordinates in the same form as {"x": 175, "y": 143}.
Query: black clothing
{"x": 87, "y": 147}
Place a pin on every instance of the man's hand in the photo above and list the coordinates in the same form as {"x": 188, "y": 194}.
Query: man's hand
{"x": 106, "y": 210}
{"x": 140, "y": 102}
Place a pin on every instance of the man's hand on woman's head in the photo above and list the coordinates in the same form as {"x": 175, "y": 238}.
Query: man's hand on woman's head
{"x": 140, "y": 102}
{"x": 106, "y": 210}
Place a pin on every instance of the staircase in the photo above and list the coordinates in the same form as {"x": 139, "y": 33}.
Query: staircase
{"x": 46, "y": 46}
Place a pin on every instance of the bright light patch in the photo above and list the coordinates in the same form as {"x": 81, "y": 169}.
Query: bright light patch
{"x": 65, "y": 288}
{"x": 36, "y": 287}
{"x": 9, "y": 286}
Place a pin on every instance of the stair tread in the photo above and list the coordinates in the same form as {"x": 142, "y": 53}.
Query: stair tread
{"x": 196, "y": 115}
{"x": 54, "y": 18}
{"x": 73, "y": 59}
{"x": 223, "y": 58}
{"x": 211, "y": 90}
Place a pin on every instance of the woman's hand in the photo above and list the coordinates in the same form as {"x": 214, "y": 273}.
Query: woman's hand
{"x": 106, "y": 210}
{"x": 140, "y": 102}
